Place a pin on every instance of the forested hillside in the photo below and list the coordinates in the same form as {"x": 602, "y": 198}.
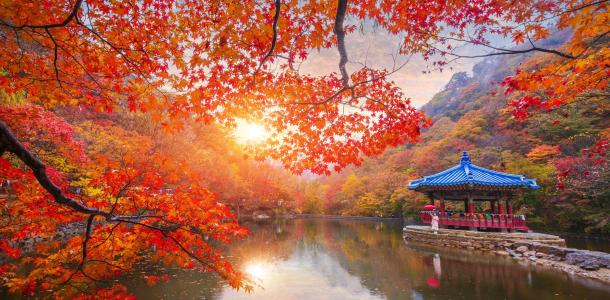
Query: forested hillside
{"x": 112, "y": 152}
{"x": 557, "y": 147}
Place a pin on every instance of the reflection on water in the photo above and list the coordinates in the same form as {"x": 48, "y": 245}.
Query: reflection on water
{"x": 575, "y": 241}
{"x": 320, "y": 259}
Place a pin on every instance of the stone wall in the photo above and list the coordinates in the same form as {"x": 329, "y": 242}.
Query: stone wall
{"x": 537, "y": 248}
{"x": 475, "y": 239}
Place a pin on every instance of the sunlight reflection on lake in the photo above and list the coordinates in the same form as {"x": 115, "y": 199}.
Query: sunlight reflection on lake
{"x": 306, "y": 274}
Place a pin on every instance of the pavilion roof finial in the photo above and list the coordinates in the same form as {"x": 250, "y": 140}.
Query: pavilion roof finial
{"x": 465, "y": 158}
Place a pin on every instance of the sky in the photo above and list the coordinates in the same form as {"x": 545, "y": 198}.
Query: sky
{"x": 375, "y": 47}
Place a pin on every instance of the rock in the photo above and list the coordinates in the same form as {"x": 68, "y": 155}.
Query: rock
{"x": 540, "y": 255}
{"x": 588, "y": 260}
{"x": 522, "y": 249}
{"x": 555, "y": 258}
{"x": 513, "y": 253}
{"x": 548, "y": 249}
{"x": 590, "y": 266}
{"x": 529, "y": 253}
{"x": 502, "y": 253}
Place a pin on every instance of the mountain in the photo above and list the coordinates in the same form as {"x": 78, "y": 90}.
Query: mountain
{"x": 458, "y": 96}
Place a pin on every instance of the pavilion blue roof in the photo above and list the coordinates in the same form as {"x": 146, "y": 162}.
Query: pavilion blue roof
{"x": 467, "y": 174}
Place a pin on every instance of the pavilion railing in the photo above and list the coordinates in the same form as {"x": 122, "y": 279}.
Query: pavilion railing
{"x": 478, "y": 220}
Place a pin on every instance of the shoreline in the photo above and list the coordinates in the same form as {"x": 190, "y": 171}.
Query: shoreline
{"x": 533, "y": 248}
{"x": 350, "y": 218}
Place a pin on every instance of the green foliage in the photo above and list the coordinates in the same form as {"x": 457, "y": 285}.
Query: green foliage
{"x": 564, "y": 124}
{"x": 543, "y": 172}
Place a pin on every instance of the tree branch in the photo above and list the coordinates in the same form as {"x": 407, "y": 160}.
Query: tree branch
{"x": 86, "y": 240}
{"x": 11, "y": 144}
{"x": 63, "y": 23}
{"x": 55, "y": 49}
{"x": 339, "y": 31}
{"x": 8, "y": 142}
{"x": 276, "y": 18}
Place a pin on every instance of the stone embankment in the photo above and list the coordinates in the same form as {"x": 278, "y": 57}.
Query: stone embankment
{"x": 540, "y": 249}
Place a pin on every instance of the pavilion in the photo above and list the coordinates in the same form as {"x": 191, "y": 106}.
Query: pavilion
{"x": 469, "y": 183}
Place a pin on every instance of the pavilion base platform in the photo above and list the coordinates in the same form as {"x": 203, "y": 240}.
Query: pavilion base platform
{"x": 531, "y": 248}
{"x": 476, "y": 239}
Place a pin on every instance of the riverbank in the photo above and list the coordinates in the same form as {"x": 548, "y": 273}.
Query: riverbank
{"x": 350, "y": 218}
{"x": 535, "y": 248}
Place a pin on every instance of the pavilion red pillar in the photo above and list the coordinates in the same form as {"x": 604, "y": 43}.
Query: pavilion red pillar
{"x": 471, "y": 210}
{"x": 493, "y": 207}
{"x": 509, "y": 212}
{"x": 500, "y": 207}
{"x": 442, "y": 198}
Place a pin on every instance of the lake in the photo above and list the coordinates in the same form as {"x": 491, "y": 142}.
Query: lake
{"x": 338, "y": 259}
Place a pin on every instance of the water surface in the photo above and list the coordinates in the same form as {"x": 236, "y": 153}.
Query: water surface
{"x": 587, "y": 243}
{"x": 323, "y": 259}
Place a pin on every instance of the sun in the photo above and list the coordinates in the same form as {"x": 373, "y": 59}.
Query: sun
{"x": 250, "y": 133}
{"x": 257, "y": 270}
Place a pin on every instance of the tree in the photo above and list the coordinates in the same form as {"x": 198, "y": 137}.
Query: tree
{"x": 313, "y": 201}
{"x": 399, "y": 197}
{"x": 353, "y": 187}
{"x": 212, "y": 62}
{"x": 369, "y": 205}
{"x": 585, "y": 194}
{"x": 543, "y": 152}
{"x": 139, "y": 209}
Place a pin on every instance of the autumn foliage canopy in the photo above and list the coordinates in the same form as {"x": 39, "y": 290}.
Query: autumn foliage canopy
{"x": 214, "y": 62}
